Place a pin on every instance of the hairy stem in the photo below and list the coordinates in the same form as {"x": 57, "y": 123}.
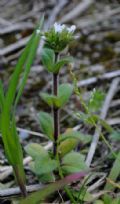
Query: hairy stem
{"x": 55, "y": 109}
{"x": 20, "y": 181}
{"x": 55, "y": 113}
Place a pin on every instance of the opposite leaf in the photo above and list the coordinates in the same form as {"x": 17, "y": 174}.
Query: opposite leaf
{"x": 47, "y": 177}
{"x": 80, "y": 137}
{"x": 48, "y": 59}
{"x": 64, "y": 93}
{"x": 46, "y": 124}
{"x": 73, "y": 162}
{"x": 61, "y": 63}
{"x": 67, "y": 146}
{"x": 35, "y": 150}
{"x": 50, "y": 99}
{"x": 44, "y": 164}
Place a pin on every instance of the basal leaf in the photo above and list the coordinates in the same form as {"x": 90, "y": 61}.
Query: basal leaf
{"x": 73, "y": 162}
{"x": 46, "y": 124}
{"x": 44, "y": 164}
{"x": 35, "y": 150}
{"x": 45, "y": 177}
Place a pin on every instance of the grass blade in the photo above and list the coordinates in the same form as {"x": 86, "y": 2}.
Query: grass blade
{"x": 114, "y": 173}
{"x": 29, "y": 61}
{"x": 1, "y": 96}
{"x": 8, "y": 126}
{"x": 51, "y": 188}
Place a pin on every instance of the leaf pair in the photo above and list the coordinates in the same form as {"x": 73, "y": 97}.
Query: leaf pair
{"x": 73, "y": 162}
{"x": 69, "y": 140}
{"x": 42, "y": 165}
{"x": 64, "y": 93}
{"x": 70, "y": 134}
{"x": 48, "y": 60}
{"x": 46, "y": 124}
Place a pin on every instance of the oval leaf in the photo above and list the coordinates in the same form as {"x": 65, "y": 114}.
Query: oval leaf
{"x": 61, "y": 63}
{"x": 73, "y": 162}
{"x": 46, "y": 124}
{"x": 64, "y": 93}
{"x": 35, "y": 150}
{"x": 67, "y": 146}
{"x": 44, "y": 164}
{"x": 48, "y": 58}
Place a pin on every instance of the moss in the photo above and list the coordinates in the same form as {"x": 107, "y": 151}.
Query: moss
{"x": 107, "y": 54}
{"x": 113, "y": 37}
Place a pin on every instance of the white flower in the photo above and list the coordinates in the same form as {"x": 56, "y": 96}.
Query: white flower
{"x": 71, "y": 29}
{"x": 59, "y": 28}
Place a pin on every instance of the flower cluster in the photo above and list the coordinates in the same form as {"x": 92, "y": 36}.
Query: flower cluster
{"x": 59, "y": 36}
{"x": 60, "y": 28}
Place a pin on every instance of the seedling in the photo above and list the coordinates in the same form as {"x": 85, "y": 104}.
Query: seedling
{"x": 63, "y": 159}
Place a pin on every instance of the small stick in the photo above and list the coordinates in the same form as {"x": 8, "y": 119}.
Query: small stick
{"x": 93, "y": 80}
{"x": 14, "y": 192}
{"x": 92, "y": 20}
{"x": 79, "y": 9}
{"x": 16, "y": 27}
{"x": 104, "y": 111}
{"x": 17, "y": 45}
